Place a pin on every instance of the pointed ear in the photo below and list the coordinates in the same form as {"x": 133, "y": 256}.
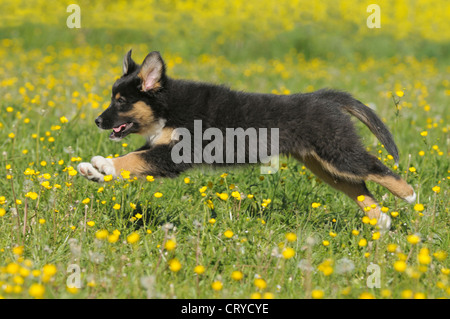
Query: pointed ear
{"x": 152, "y": 71}
{"x": 128, "y": 64}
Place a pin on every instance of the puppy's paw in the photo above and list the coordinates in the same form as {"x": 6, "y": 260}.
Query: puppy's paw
{"x": 104, "y": 165}
{"x": 97, "y": 169}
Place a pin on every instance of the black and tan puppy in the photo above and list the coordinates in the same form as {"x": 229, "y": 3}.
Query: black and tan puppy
{"x": 315, "y": 128}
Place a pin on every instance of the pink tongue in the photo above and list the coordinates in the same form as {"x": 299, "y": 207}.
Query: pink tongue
{"x": 118, "y": 129}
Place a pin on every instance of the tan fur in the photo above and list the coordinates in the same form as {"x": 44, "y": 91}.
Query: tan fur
{"x": 131, "y": 162}
{"x": 398, "y": 187}
{"x": 333, "y": 171}
{"x": 117, "y": 96}
{"x": 165, "y": 137}
{"x": 142, "y": 113}
{"x": 352, "y": 188}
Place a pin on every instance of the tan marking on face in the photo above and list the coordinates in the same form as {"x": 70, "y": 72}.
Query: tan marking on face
{"x": 396, "y": 186}
{"x": 117, "y": 96}
{"x": 165, "y": 137}
{"x": 143, "y": 114}
{"x": 132, "y": 162}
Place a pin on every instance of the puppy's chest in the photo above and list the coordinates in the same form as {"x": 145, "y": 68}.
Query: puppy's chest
{"x": 155, "y": 133}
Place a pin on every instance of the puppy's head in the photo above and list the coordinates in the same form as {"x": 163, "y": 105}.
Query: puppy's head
{"x": 136, "y": 101}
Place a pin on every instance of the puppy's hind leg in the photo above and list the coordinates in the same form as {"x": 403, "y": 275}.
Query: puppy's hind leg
{"x": 352, "y": 186}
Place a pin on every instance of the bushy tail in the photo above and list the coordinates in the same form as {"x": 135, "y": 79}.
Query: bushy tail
{"x": 373, "y": 122}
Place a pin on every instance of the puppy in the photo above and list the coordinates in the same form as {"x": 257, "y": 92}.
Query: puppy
{"x": 315, "y": 128}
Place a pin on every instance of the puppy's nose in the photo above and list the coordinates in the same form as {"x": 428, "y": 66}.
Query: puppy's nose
{"x": 98, "y": 121}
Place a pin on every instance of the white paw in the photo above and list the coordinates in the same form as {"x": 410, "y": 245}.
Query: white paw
{"x": 411, "y": 199}
{"x": 104, "y": 165}
{"x": 97, "y": 169}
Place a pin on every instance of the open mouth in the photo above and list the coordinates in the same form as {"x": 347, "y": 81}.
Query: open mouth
{"x": 120, "y": 131}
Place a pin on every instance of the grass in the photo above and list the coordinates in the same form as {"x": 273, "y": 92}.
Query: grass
{"x": 289, "y": 229}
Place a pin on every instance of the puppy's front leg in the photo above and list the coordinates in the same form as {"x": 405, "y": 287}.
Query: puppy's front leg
{"x": 156, "y": 162}
{"x": 99, "y": 167}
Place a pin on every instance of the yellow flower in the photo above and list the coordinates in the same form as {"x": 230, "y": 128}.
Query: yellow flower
{"x": 419, "y": 295}
{"x": 362, "y": 242}
{"x": 101, "y": 234}
{"x": 407, "y": 294}
{"x": 236, "y": 195}
{"x": 36, "y": 290}
{"x": 31, "y": 195}
{"x": 199, "y": 269}
{"x": 400, "y": 266}
{"x": 255, "y": 295}
{"x": 394, "y": 214}
{"x": 125, "y": 174}
{"x": 288, "y": 253}
{"x": 187, "y": 180}
{"x": 170, "y": 245}
{"x": 107, "y": 178}
{"x": 386, "y": 293}
{"x": 424, "y": 256}
{"x": 63, "y": 119}
{"x": 268, "y": 295}
{"x": 291, "y": 237}
{"x": 228, "y": 233}
{"x": 355, "y": 232}
{"x": 412, "y": 169}
{"x": 18, "y": 250}
{"x": 361, "y": 198}
{"x": 366, "y": 295}
{"x": 174, "y": 265}
{"x": 424, "y": 133}
{"x": 440, "y": 255}
{"x": 325, "y": 243}
{"x": 222, "y": 196}
{"x": 391, "y": 248}
{"x": 49, "y": 270}
{"x": 436, "y": 189}
{"x": 150, "y": 178}
{"x": 217, "y": 285}
{"x": 317, "y": 294}
{"x": 158, "y": 195}
{"x": 90, "y": 223}
{"x": 260, "y": 283}
{"x": 315, "y": 205}
{"x": 11, "y": 135}
{"x": 376, "y": 235}
{"x": 212, "y": 221}
{"x": 326, "y": 267}
{"x": 86, "y": 200}
{"x": 413, "y": 239}
{"x": 133, "y": 238}
{"x": 113, "y": 238}
{"x": 399, "y": 93}
{"x": 237, "y": 275}
{"x": 116, "y": 206}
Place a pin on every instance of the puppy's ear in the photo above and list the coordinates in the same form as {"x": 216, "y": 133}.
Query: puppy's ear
{"x": 152, "y": 71}
{"x": 128, "y": 64}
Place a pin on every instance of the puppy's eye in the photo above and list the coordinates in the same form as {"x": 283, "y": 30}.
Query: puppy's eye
{"x": 121, "y": 99}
